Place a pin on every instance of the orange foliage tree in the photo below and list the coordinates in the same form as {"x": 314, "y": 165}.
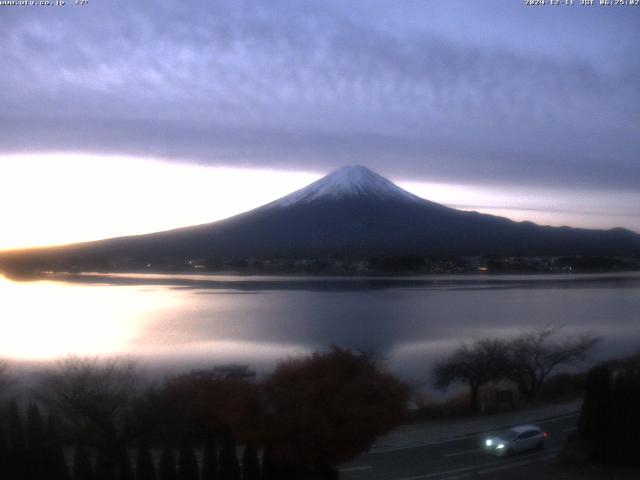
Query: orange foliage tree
{"x": 329, "y": 407}
{"x": 198, "y": 404}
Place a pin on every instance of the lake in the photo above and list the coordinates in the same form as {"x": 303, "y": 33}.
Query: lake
{"x": 185, "y": 321}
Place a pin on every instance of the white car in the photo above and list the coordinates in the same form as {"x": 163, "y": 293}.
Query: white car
{"x": 517, "y": 439}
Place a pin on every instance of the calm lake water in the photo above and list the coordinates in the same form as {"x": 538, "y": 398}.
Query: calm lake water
{"x": 196, "y": 320}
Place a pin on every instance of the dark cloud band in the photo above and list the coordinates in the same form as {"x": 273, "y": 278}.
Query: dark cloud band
{"x": 498, "y": 95}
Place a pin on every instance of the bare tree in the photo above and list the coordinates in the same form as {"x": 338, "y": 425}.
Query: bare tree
{"x": 90, "y": 388}
{"x": 482, "y": 362}
{"x": 534, "y": 355}
{"x": 95, "y": 396}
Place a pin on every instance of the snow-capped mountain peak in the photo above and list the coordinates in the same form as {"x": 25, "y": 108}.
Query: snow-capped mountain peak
{"x": 348, "y": 181}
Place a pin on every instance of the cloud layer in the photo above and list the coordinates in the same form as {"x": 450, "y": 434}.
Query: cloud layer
{"x": 488, "y": 94}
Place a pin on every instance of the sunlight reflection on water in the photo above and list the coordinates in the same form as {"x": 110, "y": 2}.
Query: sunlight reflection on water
{"x": 217, "y": 319}
{"x": 45, "y": 319}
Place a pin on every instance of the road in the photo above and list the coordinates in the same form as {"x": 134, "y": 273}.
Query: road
{"x": 461, "y": 459}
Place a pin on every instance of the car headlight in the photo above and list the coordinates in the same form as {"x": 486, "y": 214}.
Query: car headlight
{"x": 488, "y": 442}
{"x": 500, "y": 445}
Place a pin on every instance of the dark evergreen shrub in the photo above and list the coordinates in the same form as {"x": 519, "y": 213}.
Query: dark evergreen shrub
{"x": 124, "y": 470}
{"x": 167, "y": 469}
{"x": 145, "y": 469}
{"x": 4, "y": 454}
{"x": 188, "y": 465}
{"x": 269, "y": 468}
{"x": 229, "y": 468}
{"x": 609, "y": 422}
{"x": 106, "y": 465}
{"x": 250, "y": 464}
{"x": 82, "y": 468}
{"x": 35, "y": 467}
{"x": 56, "y": 463}
{"x": 210, "y": 461}
{"x": 17, "y": 460}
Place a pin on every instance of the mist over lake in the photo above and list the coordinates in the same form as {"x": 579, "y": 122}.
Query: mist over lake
{"x": 189, "y": 321}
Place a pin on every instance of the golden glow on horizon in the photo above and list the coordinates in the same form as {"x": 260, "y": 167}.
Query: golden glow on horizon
{"x": 544, "y": 206}
{"x": 57, "y": 199}
{"x": 66, "y": 319}
{"x": 62, "y": 198}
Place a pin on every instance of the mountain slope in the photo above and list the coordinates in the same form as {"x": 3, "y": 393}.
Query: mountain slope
{"x": 352, "y": 212}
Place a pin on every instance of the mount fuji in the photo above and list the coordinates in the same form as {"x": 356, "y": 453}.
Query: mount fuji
{"x": 351, "y": 181}
{"x": 351, "y": 213}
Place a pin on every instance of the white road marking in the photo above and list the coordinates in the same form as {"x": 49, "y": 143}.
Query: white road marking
{"x": 466, "y": 452}
{"x": 421, "y": 445}
{"x": 504, "y": 467}
{"x": 436, "y": 474}
{"x": 356, "y": 468}
{"x": 560, "y": 418}
{"x": 489, "y": 467}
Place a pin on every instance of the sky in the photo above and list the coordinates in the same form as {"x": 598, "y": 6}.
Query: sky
{"x": 128, "y": 117}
